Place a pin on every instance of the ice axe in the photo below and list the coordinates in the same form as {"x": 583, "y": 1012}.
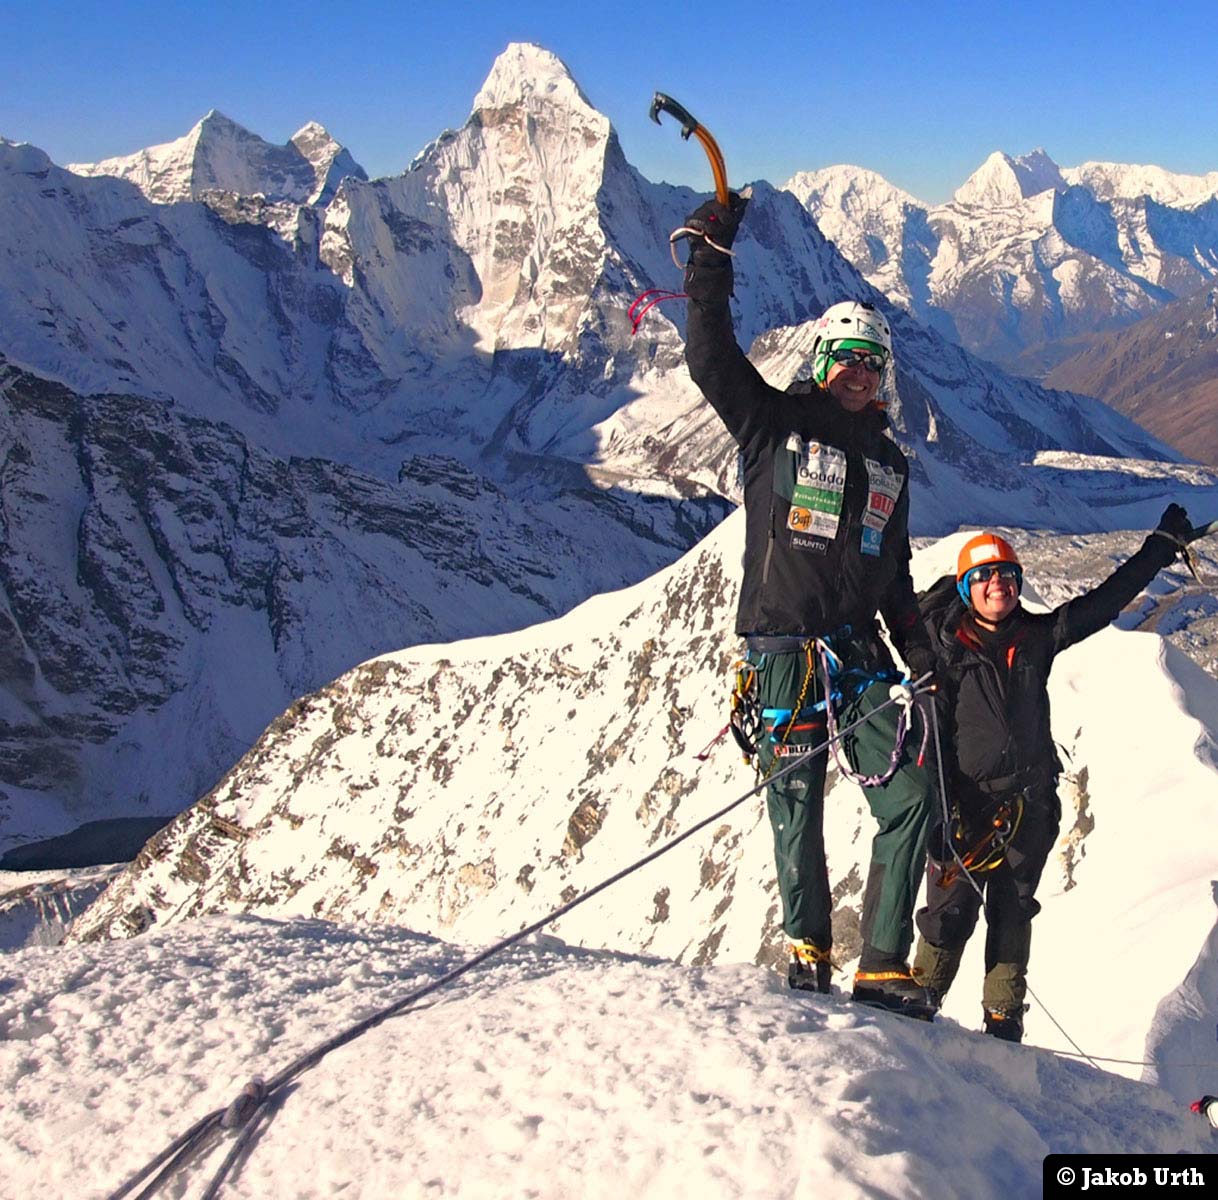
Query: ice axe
{"x": 662, "y": 103}
{"x": 1186, "y": 552}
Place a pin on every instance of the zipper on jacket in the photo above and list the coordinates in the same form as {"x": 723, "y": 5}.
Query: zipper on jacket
{"x": 769, "y": 553}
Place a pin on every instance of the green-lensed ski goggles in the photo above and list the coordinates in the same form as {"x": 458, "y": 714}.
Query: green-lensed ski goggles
{"x": 858, "y": 358}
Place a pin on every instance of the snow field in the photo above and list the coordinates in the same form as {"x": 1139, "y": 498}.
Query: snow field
{"x": 550, "y": 1072}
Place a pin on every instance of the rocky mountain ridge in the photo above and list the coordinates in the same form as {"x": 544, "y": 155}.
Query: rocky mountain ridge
{"x": 1161, "y": 372}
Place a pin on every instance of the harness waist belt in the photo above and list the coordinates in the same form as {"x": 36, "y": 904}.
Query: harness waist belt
{"x": 786, "y": 643}
{"x": 775, "y": 643}
{"x": 1030, "y": 777}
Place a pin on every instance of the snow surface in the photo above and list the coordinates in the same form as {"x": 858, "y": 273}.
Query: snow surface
{"x": 549, "y": 1072}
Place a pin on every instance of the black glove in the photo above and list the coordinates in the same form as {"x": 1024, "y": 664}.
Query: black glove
{"x": 717, "y": 221}
{"x": 708, "y": 274}
{"x": 1174, "y": 524}
{"x": 920, "y": 660}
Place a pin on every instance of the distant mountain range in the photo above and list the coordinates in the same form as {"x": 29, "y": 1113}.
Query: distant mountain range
{"x": 262, "y": 418}
{"x": 1026, "y": 254}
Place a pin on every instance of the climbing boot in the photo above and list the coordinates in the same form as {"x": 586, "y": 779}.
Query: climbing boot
{"x": 810, "y": 968}
{"x": 1006, "y": 1024}
{"x": 895, "y": 991}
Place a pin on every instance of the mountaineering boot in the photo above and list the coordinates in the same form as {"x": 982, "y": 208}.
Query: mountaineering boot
{"x": 810, "y": 968}
{"x": 894, "y": 991}
{"x": 1006, "y": 1024}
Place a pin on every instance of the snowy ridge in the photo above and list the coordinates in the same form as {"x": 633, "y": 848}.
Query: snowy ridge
{"x": 468, "y": 789}
{"x": 1128, "y": 181}
{"x": 220, "y": 155}
{"x": 551, "y": 1072}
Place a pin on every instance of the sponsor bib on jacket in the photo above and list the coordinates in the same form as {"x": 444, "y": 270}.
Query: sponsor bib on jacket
{"x": 818, "y": 495}
{"x": 883, "y": 491}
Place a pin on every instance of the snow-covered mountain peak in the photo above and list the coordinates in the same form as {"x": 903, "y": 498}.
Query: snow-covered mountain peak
{"x": 1128, "y": 181}
{"x": 1002, "y": 180}
{"x": 218, "y": 154}
{"x": 849, "y": 187}
{"x": 524, "y": 70}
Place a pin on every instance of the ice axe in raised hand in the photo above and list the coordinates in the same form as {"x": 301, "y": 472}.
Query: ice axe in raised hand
{"x": 691, "y": 128}
{"x": 1185, "y": 544}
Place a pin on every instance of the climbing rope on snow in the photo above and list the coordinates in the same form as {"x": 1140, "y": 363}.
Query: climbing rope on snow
{"x": 249, "y": 1108}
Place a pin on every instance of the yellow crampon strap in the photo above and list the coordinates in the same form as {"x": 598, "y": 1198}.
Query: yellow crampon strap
{"x": 809, "y": 953}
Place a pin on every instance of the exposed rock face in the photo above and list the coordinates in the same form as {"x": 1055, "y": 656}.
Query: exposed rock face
{"x": 1026, "y": 255}
{"x": 1161, "y": 372}
{"x": 168, "y": 586}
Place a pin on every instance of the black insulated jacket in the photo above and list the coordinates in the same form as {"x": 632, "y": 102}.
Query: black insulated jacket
{"x": 996, "y": 685}
{"x": 826, "y": 497}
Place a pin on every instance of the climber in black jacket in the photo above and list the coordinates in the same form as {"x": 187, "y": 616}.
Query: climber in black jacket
{"x": 826, "y": 496}
{"x": 1004, "y": 813}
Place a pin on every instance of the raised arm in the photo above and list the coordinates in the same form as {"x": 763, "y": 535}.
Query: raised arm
{"x": 732, "y": 385}
{"x": 1089, "y": 613}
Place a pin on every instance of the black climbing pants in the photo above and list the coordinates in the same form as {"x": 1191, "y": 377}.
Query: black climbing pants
{"x": 950, "y": 916}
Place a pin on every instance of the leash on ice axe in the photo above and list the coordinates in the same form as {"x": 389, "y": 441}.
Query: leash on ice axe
{"x": 1184, "y": 543}
{"x": 690, "y": 127}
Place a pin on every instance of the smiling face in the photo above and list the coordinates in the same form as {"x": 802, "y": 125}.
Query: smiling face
{"x": 852, "y": 385}
{"x": 994, "y": 597}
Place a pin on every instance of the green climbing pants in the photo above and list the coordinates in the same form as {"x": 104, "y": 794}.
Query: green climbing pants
{"x": 901, "y": 807}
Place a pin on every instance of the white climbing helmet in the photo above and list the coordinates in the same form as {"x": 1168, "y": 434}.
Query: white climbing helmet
{"x": 849, "y": 325}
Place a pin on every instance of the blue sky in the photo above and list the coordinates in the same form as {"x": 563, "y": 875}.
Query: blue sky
{"x": 920, "y": 93}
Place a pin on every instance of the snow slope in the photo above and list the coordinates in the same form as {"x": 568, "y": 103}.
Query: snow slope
{"x": 550, "y": 1072}
{"x": 466, "y": 790}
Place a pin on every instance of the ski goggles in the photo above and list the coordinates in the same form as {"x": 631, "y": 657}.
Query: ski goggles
{"x": 858, "y": 358}
{"x": 1006, "y": 572}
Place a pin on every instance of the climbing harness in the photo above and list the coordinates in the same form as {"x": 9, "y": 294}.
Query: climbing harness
{"x": 251, "y": 1106}
{"x": 934, "y": 714}
{"x": 900, "y": 693}
{"x": 990, "y": 849}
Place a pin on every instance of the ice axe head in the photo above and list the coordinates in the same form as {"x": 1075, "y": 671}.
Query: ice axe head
{"x": 690, "y": 127}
